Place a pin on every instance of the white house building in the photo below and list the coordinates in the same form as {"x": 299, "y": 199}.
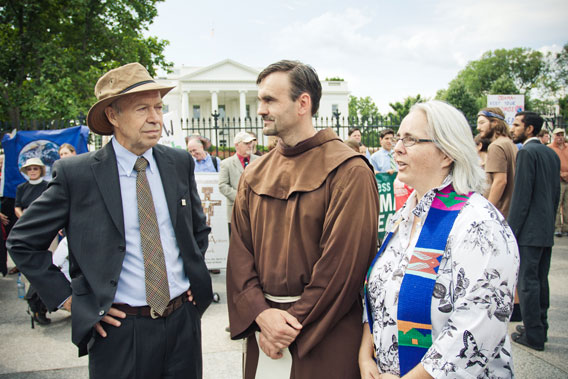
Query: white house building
{"x": 229, "y": 88}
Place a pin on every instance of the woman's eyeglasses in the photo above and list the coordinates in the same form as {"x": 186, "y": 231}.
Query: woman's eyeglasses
{"x": 410, "y": 141}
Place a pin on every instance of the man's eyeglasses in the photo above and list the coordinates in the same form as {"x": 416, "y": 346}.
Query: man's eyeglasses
{"x": 410, "y": 141}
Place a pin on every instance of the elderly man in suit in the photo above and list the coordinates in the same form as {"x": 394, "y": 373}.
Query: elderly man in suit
{"x": 137, "y": 237}
{"x": 531, "y": 217}
{"x": 233, "y": 167}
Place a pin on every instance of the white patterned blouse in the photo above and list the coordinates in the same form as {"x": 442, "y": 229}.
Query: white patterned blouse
{"x": 473, "y": 295}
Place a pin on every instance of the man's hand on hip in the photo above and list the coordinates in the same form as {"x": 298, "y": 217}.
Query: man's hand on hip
{"x": 109, "y": 318}
{"x": 279, "y": 327}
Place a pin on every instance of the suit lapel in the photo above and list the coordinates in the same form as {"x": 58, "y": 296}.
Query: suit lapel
{"x": 238, "y": 165}
{"x": 105, "y": 171}
{"x": 169, "y": 180}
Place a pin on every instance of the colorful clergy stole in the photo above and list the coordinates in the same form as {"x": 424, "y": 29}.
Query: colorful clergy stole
{"x": 415, "y": 296}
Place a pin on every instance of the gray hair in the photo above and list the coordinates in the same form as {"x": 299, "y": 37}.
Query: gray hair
{"x": 451, "y": 133}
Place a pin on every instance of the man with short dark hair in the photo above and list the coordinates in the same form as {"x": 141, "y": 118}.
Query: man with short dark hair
{"x": 137, "y": 237}
{"x": 560, "y": 147}
{"x": 355, "y": 134}
{"x": 531, "y": 217}
{"x": 383, "y": 160}
{"x": 304, "y": 232}
{"x": 204, "y": 162}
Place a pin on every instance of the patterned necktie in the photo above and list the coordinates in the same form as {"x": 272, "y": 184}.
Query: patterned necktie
{"x": 157, "y": 289}
{"x": 246, "y": 160}
{"x": 392, "y": 162}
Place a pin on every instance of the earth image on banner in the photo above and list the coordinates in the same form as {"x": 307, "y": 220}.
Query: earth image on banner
{"x": 45, "y": 150}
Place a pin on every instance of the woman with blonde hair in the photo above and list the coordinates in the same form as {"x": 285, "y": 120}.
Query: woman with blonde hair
{"x": 66, "y": 150}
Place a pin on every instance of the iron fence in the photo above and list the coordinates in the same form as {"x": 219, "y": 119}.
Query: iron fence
{"x": 221, "y": 131}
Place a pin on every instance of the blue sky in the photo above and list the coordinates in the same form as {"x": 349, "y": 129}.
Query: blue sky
{"x": 384, "y": 49}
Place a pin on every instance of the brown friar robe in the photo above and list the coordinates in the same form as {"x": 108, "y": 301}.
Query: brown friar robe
{"x": 304, "y": 224}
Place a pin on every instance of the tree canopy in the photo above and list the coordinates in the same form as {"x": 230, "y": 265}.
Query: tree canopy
{"x": 363, "y": 108}
{"x": 540, "y": 77}
{"x": 55, "y": 50}
{"x": 401, "y": 109}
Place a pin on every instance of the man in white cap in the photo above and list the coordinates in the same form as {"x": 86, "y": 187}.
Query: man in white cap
{"x": 233, "y": 167}
{"x": 559, "y": 146}
{"x": 136, "y": 234}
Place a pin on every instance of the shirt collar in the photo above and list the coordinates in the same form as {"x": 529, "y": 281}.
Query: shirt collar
{"x": 36, "y": 181}
{"x": 423, "y": 205}
{"x": 242, "y": 159}
{"x": 202, "y": 160}
{"x": 531, "y": 139}
{"x": 126, "y": 159}
{"x": 418, "y": 208}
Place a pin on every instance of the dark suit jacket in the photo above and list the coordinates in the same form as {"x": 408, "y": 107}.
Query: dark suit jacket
{"x": 84, "y": 198}
{"x": 536, "y": 195}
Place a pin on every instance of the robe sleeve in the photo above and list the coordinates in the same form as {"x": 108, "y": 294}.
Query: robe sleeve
{"x": 348, "y": 242}
{"x": 244, "y": 293}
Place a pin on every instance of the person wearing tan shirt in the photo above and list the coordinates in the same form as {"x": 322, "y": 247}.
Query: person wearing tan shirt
{"x": 559, "y": 146}
{"x": 500, "y": 161}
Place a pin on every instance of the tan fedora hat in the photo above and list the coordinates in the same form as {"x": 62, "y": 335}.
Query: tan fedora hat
{"x": 125, "y": 80}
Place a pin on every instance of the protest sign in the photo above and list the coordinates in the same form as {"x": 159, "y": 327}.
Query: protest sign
{"x": 172, "y": 133}
{"x": 42, "y": 144}
{"x": 215, "y": 208}
{"x": 509, "y": 104}
{"x": 385, "y": 182}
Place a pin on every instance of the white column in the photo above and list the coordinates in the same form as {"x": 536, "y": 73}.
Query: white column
{"x": 243, "y": 107}
{"x": 184, "y": 105}
{"x": 214, "y": 102}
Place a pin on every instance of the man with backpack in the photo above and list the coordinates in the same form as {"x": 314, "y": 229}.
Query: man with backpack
{"x": 203, "y": 161}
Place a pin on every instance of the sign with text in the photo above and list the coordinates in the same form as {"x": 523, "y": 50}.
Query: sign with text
{"x": 509, "y": 104}
{"x": 385, "y": 182}
{"x": 172, "y": 133}
{"x": 214, "y": 206}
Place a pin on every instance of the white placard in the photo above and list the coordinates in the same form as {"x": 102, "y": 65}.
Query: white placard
{"x": 215, "y": 208}
{"x": 172, "y": 133}
{"x": 509, "y": 104}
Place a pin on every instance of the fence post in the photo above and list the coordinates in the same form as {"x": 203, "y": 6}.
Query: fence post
{"x": 336, "y": 114}
{"x": 216, "y": 115}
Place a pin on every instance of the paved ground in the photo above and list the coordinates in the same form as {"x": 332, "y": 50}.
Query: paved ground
{"x": 47, "y": 352}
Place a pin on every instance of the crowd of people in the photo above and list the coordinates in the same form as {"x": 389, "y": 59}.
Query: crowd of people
{"x": 310, "y": 289}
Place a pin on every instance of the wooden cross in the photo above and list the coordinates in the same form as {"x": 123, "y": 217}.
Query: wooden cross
{"x": 208, "y": 204}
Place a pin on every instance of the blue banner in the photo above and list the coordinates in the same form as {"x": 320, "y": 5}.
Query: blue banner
{"x": 43, "y": 144}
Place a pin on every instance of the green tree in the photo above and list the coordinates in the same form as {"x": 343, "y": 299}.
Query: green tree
{"x": 557, "y": 81}
{"x": 563, "y": 105}
{"x": 54, "y": 51}
{"x": 460, "y": 97}
{"x": 522, "y": 68}
{"x": 515, "y": 71}
{"x": 401, "y": 109}
{"x": 363, "y": 108}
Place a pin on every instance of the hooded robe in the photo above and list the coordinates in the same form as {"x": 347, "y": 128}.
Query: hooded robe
{"x": 305, "y": 224}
